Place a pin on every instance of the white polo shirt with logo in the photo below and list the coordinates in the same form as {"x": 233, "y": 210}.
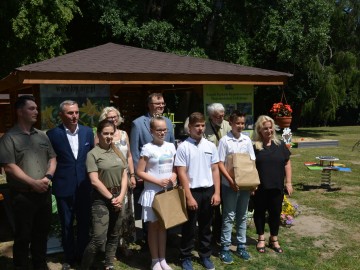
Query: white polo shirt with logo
{"x": 197, "y": 158}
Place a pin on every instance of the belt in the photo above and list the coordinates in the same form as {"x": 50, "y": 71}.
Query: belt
{"x": 25, "y": 190}
{"x": 114, "y": 190}
{"x": 22, "y": 190}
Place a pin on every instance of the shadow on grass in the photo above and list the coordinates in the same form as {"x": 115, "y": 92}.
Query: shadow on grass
{"x": 314, "y": 133}
{"x": 307, "y": 187}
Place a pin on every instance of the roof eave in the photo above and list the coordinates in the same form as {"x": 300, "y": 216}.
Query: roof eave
{"x": 29, "y": 78}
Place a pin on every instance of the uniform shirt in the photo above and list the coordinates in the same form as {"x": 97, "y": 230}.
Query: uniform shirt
{"x": 197, "y": 158}
{"x": 231, "y": 145}
{"x": 31, "y": 152}
{"x": 108, "y": 165}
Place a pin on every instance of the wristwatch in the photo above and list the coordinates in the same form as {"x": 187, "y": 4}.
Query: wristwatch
{"x": 49, "y": 176}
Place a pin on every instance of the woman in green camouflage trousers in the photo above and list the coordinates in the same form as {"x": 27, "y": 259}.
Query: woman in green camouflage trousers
{"x": 106, "y": 167}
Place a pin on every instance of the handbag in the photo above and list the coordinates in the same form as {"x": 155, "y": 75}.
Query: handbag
{"x": 170, "y": 207}
{"x": 243, "y": 170}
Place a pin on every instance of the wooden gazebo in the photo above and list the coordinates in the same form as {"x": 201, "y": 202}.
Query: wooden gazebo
{"x": 131, "y": 73}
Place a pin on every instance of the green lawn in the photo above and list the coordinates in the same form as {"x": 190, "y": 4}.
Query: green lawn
{"x": 326, "y": 234}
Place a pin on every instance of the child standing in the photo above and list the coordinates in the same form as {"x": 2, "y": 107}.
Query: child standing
{"x": 156, "y": 168}
{"x": 197, "y": 166}
{"x": 235, "y": 201}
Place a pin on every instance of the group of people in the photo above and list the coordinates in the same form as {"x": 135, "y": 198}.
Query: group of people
{"x": 93, "y": 179}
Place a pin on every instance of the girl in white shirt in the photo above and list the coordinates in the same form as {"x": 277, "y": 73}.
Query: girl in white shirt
{"x": 156, "y": 168}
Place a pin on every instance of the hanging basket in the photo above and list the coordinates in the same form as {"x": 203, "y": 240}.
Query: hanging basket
{"x": 284, "y": 121}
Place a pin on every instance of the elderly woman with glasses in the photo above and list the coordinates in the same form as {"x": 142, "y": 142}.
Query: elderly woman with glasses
{"x": 121, "y": 141}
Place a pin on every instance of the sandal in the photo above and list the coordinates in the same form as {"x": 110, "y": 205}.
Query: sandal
{"x": 272, "y": 246}
{"x": 260, "y": 249}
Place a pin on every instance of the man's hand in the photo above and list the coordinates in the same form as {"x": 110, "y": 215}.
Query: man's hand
{"x": 40, "y": 185}
{"x": 233, "y": 186}
{"x": 215, "y": 200}
{"x": 192, "y": 204}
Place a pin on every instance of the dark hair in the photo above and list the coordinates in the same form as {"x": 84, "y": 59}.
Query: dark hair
{"x": 196, "y": 117}
{"x": 21, "y": 101}
{"x": 235, "y": 114}
{"x": 103, "y": 124}
{"x": 155, "y": 118}
{"x": 158, "y": 95}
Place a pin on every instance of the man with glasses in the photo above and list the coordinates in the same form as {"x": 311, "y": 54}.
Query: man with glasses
{"x": 71, "y": 185}
{"x": 141, "y": 135}
{"x": 140, "y": 127}
{"x": 216, "y": 128}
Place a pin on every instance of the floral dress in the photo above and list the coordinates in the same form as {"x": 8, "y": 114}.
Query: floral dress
{"x": 128, "y": 230}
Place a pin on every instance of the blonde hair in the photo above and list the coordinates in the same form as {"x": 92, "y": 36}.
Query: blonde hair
{"x": 106, "y": 110}
{"x": 257, "y": 137}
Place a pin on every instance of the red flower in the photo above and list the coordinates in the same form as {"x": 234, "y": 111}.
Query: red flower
{"x": 280, "y": 110}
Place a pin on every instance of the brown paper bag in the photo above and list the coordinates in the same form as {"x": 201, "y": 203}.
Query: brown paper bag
{"x": 243, "y": 170}
{"x": 170, "y": 207}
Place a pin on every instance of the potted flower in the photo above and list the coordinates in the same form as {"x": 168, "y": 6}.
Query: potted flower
{"x": 282, "y": 114}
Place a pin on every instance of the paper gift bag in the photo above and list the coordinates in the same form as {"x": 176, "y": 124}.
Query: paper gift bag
{"x": 243, "y": 170}
{"x": 170, "y": 207}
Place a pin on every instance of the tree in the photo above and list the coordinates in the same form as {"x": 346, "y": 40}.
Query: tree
{"x": 35, "y": 30}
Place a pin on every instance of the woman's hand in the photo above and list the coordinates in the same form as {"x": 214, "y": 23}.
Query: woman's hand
{"x": 132, "y": 182}
{"x": 117, "y": 202}
{"x": 289, "y": 188}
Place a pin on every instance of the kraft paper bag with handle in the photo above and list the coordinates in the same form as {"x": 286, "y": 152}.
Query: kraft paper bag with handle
{"x": 170, "y": 207}
{"x": 243, "y": 170}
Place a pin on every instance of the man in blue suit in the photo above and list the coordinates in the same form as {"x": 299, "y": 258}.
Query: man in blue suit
{"x": 71, "y": 185}
{"x": 140, "y": 135}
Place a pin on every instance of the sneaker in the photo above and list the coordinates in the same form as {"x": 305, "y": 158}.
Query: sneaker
{"x": 225, "y": 257}
{"x": 207, "y": 263}
{"x": 243, "y": 254}
{"x": 187, "y": 264}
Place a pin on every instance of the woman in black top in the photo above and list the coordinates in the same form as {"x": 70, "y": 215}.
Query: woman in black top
{"x": 273, "y": 164}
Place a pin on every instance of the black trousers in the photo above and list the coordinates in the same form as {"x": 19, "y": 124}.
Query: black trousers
{"x": 32, "y": 218}
{"x": 268, "y": 200}
{"x": 203, "y": 216}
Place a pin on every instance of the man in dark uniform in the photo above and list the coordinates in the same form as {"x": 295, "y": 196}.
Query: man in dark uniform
{"x": 29, "y": 162}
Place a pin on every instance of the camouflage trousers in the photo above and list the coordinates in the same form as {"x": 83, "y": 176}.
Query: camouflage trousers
{"x": 106, "y": 224}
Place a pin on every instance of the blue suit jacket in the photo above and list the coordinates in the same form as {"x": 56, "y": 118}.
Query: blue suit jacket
{"x": 140, "y": 135}
{"x": 70, "y": 173}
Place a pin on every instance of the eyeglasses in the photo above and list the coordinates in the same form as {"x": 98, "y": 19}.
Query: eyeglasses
{"x": 159, "y": 103}
{"x": 111, "y": 117}
{"x": 161, "y": 130}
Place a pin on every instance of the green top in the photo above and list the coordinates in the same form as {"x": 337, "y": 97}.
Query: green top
{"x": 108, "y": 165}
{"x": 222, "y": 131}
{"x": 31, "y": 152}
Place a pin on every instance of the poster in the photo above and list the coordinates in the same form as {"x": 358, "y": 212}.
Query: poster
{"x": 232, "y": 97}
{"x": 91, "y": 99}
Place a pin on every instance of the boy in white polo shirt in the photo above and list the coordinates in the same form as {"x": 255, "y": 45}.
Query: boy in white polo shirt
{"x": 197, "y": 165}
{"x": 235, "y": 201}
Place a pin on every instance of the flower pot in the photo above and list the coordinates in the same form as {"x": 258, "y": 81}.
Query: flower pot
{"x": 284, "y": 121}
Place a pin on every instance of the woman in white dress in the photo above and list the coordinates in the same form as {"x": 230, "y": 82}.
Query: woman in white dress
{"x": 156, "y": 167}
{"x": 121, "y": 141}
